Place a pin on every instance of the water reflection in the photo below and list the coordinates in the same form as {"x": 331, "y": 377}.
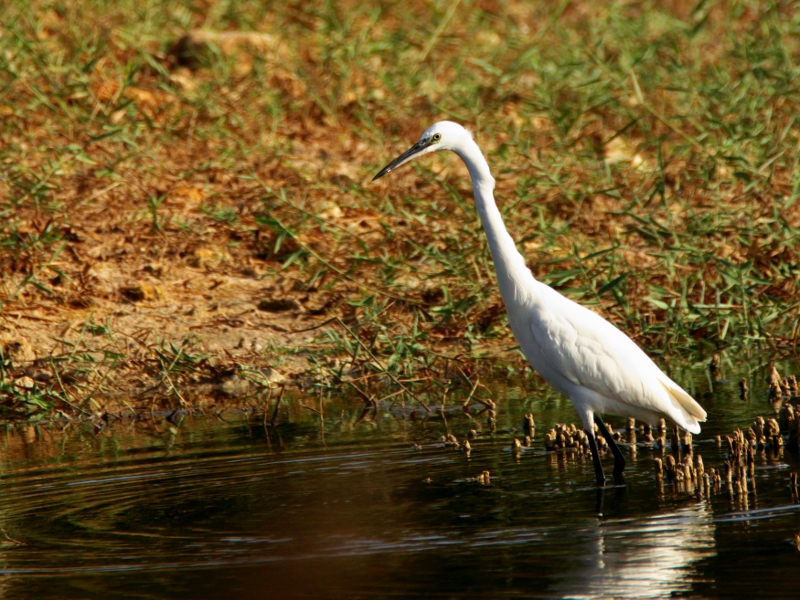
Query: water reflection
{"x": 655, "y": 556}
{"x": 379, "y": 508}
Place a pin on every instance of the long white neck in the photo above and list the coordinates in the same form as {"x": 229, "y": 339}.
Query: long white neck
{"x": 513, "y": 276}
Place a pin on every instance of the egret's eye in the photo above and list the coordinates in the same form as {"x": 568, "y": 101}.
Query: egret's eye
{"x": 437, "y": 137}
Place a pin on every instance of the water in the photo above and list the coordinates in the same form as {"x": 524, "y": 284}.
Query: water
{"x": 218, "y": 508}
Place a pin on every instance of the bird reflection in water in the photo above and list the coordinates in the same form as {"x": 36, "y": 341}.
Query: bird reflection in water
{"x": 641, "y": 557}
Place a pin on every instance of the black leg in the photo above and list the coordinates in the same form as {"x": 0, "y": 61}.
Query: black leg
{"x": 619, "y": 460}
{"x": 598, "y": 467}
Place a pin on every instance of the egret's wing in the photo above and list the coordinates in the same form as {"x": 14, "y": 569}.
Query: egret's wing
{"x": 591, "y": 352}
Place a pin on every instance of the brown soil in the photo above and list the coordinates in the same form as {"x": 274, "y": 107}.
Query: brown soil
{"x": 137, "y": 295}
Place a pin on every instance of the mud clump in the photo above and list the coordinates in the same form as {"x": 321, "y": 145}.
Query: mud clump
{"x": 275, "y": 305}
{"x": 141, "y": 293}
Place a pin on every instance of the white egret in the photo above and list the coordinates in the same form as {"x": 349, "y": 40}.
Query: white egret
{"x": 583, "y": 356}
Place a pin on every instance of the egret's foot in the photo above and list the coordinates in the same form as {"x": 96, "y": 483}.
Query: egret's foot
{"x": 619, "y": 462}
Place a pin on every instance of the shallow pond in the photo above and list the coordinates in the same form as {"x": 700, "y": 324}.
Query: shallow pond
{"x": 217, "y": 507}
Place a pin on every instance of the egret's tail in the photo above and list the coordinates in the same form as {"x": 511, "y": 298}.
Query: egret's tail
{"x": 691, "y": 413}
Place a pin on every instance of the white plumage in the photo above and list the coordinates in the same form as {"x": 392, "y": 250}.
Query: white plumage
{"x": 583, "y": 356}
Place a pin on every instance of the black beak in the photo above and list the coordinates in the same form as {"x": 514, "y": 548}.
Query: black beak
{"x": 405, "y": 157}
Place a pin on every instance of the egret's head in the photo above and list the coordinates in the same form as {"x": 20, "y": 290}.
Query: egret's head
{"x": 444, "y": 135}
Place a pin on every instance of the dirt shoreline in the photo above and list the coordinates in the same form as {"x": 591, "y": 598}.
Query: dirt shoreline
{"x": 184, "y": 331}
{"x": 119, "y": 340}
